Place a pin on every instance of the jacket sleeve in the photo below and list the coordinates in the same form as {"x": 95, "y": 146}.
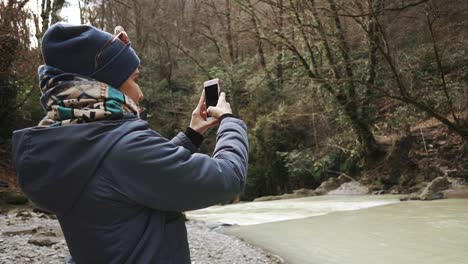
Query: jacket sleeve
{"x": 182, "y": 140}
{"x": 159, "y": 174}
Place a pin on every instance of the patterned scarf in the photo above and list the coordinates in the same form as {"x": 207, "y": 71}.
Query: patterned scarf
{"x": 73, "y": 99}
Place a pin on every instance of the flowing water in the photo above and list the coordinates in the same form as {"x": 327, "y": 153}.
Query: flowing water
{"x": 342, "y": 230}
{"x": 279, "y": 210}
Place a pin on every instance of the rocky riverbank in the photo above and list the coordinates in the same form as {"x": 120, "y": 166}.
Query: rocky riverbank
{"x": 439, "y": 188}
{"x": 29, "y": 236}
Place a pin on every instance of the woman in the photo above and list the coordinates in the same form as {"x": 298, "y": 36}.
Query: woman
{"x": 116, "y": 186}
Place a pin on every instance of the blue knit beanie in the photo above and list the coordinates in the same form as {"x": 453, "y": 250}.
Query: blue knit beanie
{"x": 73, "y": 49}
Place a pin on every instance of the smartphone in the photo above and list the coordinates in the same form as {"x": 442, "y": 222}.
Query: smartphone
{"x": 212, "y": 88}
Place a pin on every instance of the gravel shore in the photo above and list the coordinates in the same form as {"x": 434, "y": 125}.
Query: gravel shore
{"x": 28, "y": 236}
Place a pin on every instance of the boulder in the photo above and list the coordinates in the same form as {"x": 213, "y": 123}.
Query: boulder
{"x": 328, "y": 185}
{"x": 342, "y": 179}
{"x": 350, "y": 188}
{"x": 434, "y": 189}
{"x": 418, "y": 188}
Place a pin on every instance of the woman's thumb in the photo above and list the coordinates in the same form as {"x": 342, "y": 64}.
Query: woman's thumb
{"x": 209, "y": 110}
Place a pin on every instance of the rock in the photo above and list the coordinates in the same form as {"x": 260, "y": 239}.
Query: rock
{"x": 458, "y": 189}
{"x": 435, "y": 188}
{"x": 43, "y": 241}
{"x": 24, "y": 214}
{"x": 375, "y": 187}
{"x": 460, "y": 193}
{"x": 47, "y": 232}
{"x": 43, "y": 213}
{"x": 296, "y": 194}
{"x": 51, "y": 231}
{"x": 304, "y": 192}
{"x": 46, "y": 246}
{"x": 42, "y": 231}
{"x": 418, "y": 188}
{"x": 366, "y": 180}
{"x": 457, "y": 183}
{"x": 14, "y": 198}
{"x": 342, "y": 179}
{"x": 378, "y": 192}
{"x": 14, "y": 232}
{"x": 328, "y": 185}
{"x": 218, "y": 225}
{"x": 267, "y": 198}
{"x": 289, "y": 196}
{"x": 412, "y": 196}
{"x": 350, "y": 188}
{"x": 40, "y": 211}
{"x": 395, "y": 190}
{"x": 211, "y": 246}
{"x": 43, "y": 216}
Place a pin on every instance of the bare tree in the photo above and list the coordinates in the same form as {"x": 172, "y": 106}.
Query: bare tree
{"x": 323, "y": 39}
{"x": 458, "y": 122}
{"x": 14, "y": 38}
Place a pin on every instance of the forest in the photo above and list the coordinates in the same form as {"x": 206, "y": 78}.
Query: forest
{"x": 375, "y": 90}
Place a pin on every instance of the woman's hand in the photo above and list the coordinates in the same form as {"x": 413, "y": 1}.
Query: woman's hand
{"x": 199, "y": 121}
{"x": 221, "y": 108}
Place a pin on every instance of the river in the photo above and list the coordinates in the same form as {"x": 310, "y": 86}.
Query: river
{"x": 350, "y": 229}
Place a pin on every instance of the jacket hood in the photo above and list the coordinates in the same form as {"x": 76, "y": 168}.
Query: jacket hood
{"x": 54, "y": 164}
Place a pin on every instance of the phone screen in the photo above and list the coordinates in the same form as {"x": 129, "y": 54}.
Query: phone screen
{"x": 211, "y": 95}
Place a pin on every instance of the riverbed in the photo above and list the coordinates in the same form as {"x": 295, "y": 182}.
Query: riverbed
{"x": 351, "y": 230}
{"x": 30, "y": 237}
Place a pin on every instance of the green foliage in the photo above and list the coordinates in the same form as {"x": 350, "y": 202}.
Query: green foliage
{"x": 309, "y": 169}
{"x": 8, "y": 88}
{"x": 167, "y": 103}
{"x": 403, "y": 116}
{"x": 282, "y": 152}
{"x": 266, "y": 167}
{"x": 301, "y": 166}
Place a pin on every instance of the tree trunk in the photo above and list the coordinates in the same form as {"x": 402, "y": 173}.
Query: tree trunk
{"x": 280, "y": 48}
{"x": 372, "y": 41}
{"x": 360, "y": 127}
{"x": 56, "y": 9}
{"x": 261, "y": 53}
{"x": 8, "y": 91}
{"x": 45, "y": 14}
{"x": 82, "y": 12}
{"x": 345, "y": 95}
{"x": 230, "y": 34}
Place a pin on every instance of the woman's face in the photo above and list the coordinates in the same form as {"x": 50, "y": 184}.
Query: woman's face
{"x": 131, "y": 88}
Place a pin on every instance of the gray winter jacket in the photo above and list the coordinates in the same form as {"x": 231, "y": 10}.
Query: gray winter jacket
{"x": 117, "y": 187}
